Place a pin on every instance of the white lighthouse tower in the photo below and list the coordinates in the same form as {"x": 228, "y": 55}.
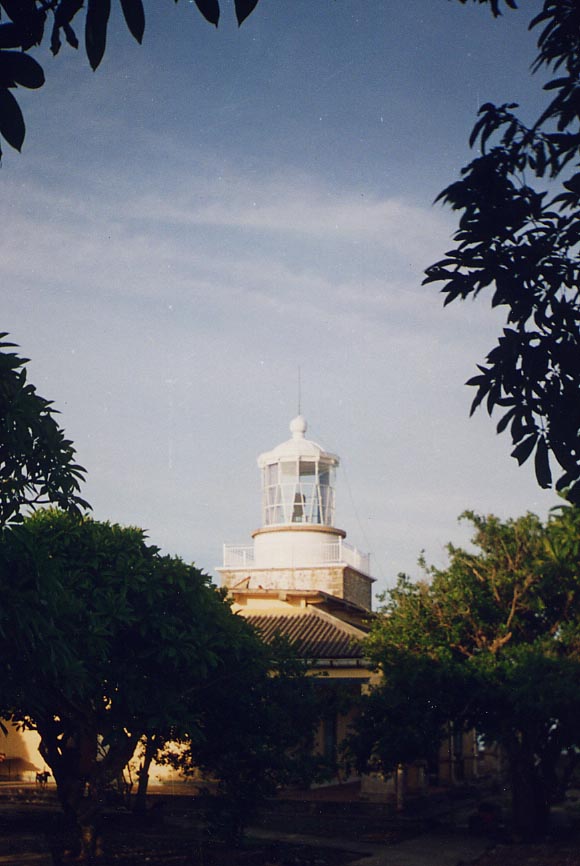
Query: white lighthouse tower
{"x": 297, "y": 551}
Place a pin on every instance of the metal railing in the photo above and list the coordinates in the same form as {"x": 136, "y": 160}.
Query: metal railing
{"x": 238, "y": 556}
{"x": 328, "y": 553}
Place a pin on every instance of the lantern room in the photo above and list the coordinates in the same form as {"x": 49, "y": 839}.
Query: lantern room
{"x": 297, "y": 547}
{"x": 297, "y": 481}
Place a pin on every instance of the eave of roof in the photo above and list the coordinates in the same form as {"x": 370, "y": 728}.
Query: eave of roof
{"x": 313, "y": 596}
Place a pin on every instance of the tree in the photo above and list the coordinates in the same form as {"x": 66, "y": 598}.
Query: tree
{"x": 36, "y": 466}
{"x": 520, "y": 242}
{"x": 146, "y": 636}
{"x": 36, "y": 460}
{"x": 489, "y": 643}
{"x": 254, "y": 734}
{"x": 26, "y": 24}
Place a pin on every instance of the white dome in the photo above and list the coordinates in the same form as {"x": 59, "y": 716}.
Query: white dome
{"x": 297, "y": 447}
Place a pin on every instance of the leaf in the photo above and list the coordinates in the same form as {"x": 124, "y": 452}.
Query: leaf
{"x": 210, "y": 9}
{"x": 556, "y": 83}
{"x": 26, "y": 27}
{"x": 71, "y": 36}
{"x": 55, "y": 42}
{"x": 540, "y": 159}
{"x": 12, "y": 126}
{"x": 542, "y": 464}
{"x": 243, "y": 9}
{"x": 98, "y": 12}
{"x": 525, "y": 448}
{"x": 573, "y": 184}
{"x": 24, "y": 70}
{"x": 505, "y": 420}
{"x": 11, "y": 36}
{"x": 476, "y": 130}
{"x": 63, "y": 15}
{"x": 66, "y": 11}
{"x": 135, "y": 18}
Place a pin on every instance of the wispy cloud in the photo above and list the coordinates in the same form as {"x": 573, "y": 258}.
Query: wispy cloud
{"x": 296, "y": 206}
{"x": 171, "y": 242}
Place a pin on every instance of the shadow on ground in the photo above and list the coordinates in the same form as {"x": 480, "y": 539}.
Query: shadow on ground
{"x": 304, "y": 831}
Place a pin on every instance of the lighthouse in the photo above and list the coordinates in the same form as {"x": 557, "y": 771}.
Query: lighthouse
{"x": 298, "y": 553}
{"x": 302, "y": 581}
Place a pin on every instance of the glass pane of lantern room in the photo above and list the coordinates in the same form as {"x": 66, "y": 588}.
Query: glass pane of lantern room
{"x": 271, "y": 494}
{"x": 288, "y": 481}
{"x": 308, "y": 491}
{"x": 288, "y": 470}
{"x": 326, "y": 479}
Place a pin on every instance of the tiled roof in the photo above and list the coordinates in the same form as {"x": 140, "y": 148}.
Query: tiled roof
{"x": 313, "y": 634}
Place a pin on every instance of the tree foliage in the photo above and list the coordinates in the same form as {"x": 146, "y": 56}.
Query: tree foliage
{"x": 491, "y": 642}
{"x": 133, "y": 642}
{"x": 25, "y": 24}
{"x": 254, "y": 733}
{"x": 36, "y": 459}
{"x": 518, "y": 238}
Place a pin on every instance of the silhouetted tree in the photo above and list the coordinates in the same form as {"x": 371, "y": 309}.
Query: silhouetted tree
{"x": 520, "y": 242}
{"x": 36, "y": 460}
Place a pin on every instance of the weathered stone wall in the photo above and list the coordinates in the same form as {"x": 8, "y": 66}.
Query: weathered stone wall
{"x": 340, "y": 581}
{"x": 321, "y": 578}
{"x": 357, "y": 588}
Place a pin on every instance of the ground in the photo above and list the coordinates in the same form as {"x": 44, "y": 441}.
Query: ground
{"x": 557, "y": 852}
{"x": 32, "y": 834}
{"x": 31, "y": 826}
{"x": 553, "y": 854}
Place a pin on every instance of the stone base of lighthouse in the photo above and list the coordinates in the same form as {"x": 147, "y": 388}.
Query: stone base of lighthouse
{"x": 339, "y": 581}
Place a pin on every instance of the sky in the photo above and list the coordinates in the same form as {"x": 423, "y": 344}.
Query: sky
{"x": 215, "y": 209}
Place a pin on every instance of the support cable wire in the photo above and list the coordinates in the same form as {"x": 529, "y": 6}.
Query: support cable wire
{"x": 343, "y": 465}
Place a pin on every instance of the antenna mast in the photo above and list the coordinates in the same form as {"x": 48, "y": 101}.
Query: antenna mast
{"x": 299, "y": 392}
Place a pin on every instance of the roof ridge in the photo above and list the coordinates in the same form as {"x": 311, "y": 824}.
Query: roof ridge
{"x": 345, "y": 626}
{"x": 324, "y": 615}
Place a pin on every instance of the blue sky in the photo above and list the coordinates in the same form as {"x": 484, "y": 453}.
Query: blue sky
{"x": 213, "y": 209}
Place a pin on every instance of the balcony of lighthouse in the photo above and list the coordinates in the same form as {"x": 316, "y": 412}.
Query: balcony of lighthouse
{"x": 323, "y": 553}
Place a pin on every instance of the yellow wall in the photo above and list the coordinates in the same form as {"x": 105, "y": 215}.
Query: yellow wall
{"x": 22, "y": 759}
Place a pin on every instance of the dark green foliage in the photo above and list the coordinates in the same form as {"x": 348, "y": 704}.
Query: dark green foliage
{"x": 28, "y": 580}
{"x": 36, "y": 460}
{"x": 130, "y": 644}
{"x": 254, "y": 733}
{"x": 490, "y": 643}
{"x": 25, "y": 23}
{"x": 518, "y": 239}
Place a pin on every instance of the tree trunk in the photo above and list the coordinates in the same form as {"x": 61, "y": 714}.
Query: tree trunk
{"x": 81, "y": 778}
{"x": 530, "y": 804}
{"x": 87, "y": 820}
{"x": 79, "y": 797}
{"x": 148, "y": 755}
